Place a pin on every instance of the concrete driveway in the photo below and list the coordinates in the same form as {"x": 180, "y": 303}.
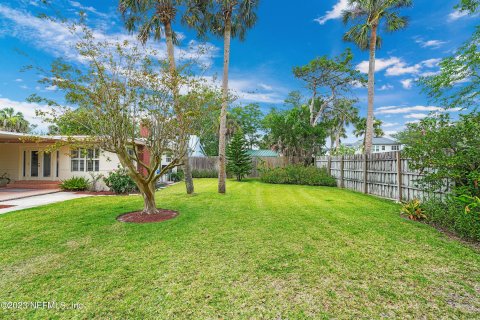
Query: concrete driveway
{"x": 37, "y": 200}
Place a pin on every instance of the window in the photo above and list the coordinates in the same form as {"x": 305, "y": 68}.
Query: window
{"x": 168, "y": 158}
{"x": 376, "y": 148}
{"x": 383, "y": 148}
{"x": 395, "y": 148}
{"x": 82, "y": 159}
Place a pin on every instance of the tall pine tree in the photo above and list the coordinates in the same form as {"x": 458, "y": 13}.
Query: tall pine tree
{"x": 239, "y": 162}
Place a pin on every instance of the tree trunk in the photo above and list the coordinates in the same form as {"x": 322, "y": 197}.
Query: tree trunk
{"x": 371, "y": 90}
{"x": 187, "y": 170}
{"x": 337, "y": 140}
{"x": 149, "y": 204}
{"x": 222, "y": 175}
{"x": 171, "y": 59}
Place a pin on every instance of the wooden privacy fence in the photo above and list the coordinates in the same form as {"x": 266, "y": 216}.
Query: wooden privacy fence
{"x": 211, "y": 163}
{"x": 382, "y": 174}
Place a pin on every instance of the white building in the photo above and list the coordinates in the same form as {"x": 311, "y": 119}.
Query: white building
{"x": 29, "y": 164}
{"x": 379, "y": 144}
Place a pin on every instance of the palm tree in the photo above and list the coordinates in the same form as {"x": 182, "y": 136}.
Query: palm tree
{"x": 154, "y": 18}
{"x": 227, "y": 19}
{"x": 360, "y": 125}
{"x": 13, "y": 121}
{"x": 366, "y": 16}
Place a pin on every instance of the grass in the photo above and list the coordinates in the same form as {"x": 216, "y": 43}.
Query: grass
{"x": 261, "y": 251}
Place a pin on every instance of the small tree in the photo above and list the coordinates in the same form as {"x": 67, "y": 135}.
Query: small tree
{"x": 128, "y": 106}
{"x": 239, "y": 163}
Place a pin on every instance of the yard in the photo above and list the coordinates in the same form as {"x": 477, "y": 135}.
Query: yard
{"x": 261, "y": 251}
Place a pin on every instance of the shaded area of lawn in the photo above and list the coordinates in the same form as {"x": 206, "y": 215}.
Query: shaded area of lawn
{"x": 261, "y": 251}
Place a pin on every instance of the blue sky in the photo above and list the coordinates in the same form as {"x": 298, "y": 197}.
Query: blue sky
{"x": 288, "y": 33}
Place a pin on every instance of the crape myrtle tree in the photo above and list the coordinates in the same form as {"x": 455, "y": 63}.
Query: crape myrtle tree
{"x": 154, "y": 19}
{"x": 228, "y": 19}
{"x": 365, "y": 18}
{"x": 126, "y": 98}
{"x": 328, "y": 81}
{"x": 239, "y": 162}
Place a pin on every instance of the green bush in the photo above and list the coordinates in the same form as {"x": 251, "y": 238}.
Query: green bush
{"x": 204, "y": 174}
{"x": 120, "y": 182}
{"x": 450, "y": 214}
{"x": 75, "y": 184}
{"x": 177, "y": 176}
{"x": 298, "y": 174}
{"x": 413, "y": 210}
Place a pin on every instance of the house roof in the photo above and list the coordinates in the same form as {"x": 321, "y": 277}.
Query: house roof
{"x": 262, "y": 153}
{"x": 375, "y": 141}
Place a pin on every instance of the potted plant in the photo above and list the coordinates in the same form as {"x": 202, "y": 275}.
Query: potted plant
{"x": 4, "y": 180}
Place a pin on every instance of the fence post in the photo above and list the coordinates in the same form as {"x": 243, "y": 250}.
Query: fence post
{"x": 342, "y": 166}
{"x": 399, "y": 176}
{"x": 329, "y": 165}
{"x": 365, "y": 173}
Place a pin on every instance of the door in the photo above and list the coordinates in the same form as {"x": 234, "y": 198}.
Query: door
{"x": 37, "y": 165}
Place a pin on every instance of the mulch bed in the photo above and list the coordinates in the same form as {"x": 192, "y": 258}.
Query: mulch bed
{"x": 4, "y": 206}
{"x": 139, "y": 217}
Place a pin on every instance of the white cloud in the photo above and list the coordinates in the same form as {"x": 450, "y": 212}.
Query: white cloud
{"x": 390, "y": 124}
{"x": 51, "y": 88}
{"x": 55, "y": 38}
{"x": 28, "y": 110}
{"x": 386, "y": 87}
{"x": 400, "y": 109}
{"x": 407, "y": 83}
{"x": 455, "y": 15}
{"x": 395, "y": 66}
{"x": 265, "y": 86}
{"x": 434, "y": 44}
{"x": 416, "y": 116}
{"x": 335, "y": 13}
{"x": 18, "y": 80}
{"x": 87, "y": 9}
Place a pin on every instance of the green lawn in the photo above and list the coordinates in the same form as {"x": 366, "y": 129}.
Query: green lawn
{"x": 261, "y": 251}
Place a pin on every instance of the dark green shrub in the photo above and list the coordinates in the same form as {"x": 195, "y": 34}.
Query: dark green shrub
{"x": 298, "y": 174}
{"x": 450, "y": 214}
{"x": 75, "y": 184}
{"x": 177, "y": 176}
{"x": 120, "y": 182}
{"x": 198, "y": 174}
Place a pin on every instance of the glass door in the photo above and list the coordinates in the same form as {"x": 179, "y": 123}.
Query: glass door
{"x": 34, "y": 163}
{"x": 37, "y": 164}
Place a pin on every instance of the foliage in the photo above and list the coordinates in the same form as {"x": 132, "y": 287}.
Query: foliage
{"x": 95, "y": 178}
{"x": 120, "y": 182}
{"x": 177, "y": 176}
{"x": 457, "y": 85}
{"x": 298, "y": 174}
{"x": 470, "y": 203}
{"x": 75, "y": 184}
{"x": 289, "y": 132}
{"x": 328, "y": 80}
{"x": 71, "y": 123}
{"x": 249, "y": 120}
{"x": 343, "y": 151}
{"x": 450, "y": 215}
{"x": 239, "y": 162}
{"x": 446, "y": 151}
{"x": 470, "y": 6}
{"x": 13, "y": 121}
{"x": 5, "y": 177}
{"x": 343, "y": 114}
{"x": 413, "y": 210}
{"x": 197, "y": 173}
{"x": 367, "y": 15}
{"x": 360, "y": 125}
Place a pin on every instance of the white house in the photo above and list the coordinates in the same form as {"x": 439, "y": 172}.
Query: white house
{"x": 28, "y": 164}
{"x": 379, "y": 144}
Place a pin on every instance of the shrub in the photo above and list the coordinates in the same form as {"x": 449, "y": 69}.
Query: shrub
{"x": 204, "y": 174}
{"x": 298, "y": 174}
{"x": 75, "y": 184}
{"x": 120, "y": 182}
{"x": 177, "y": 176}
{"x": 450, "y": 215}
{"x": 413, "y": 210}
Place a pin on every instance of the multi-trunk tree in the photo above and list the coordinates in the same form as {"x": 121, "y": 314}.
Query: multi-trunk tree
{"x": 126, "y": 98}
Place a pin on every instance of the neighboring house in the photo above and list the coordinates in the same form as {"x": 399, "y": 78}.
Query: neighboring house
{"x": 27, "y": 163}
{"x": 195, "y": 147}
{"x": 379, "y": 144}
{"x": 263, "y": 153}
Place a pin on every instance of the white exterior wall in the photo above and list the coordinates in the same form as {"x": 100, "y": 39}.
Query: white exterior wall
{"x": 10, "y": 160}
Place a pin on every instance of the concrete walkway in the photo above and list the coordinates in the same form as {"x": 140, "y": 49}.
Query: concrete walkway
{"x": 8, "y": 194}
{"x": 38, "y": 200}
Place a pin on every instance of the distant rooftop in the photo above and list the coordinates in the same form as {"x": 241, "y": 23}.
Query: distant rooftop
{"x": 376, "y": 141}
{"x": 263, "y": 153}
